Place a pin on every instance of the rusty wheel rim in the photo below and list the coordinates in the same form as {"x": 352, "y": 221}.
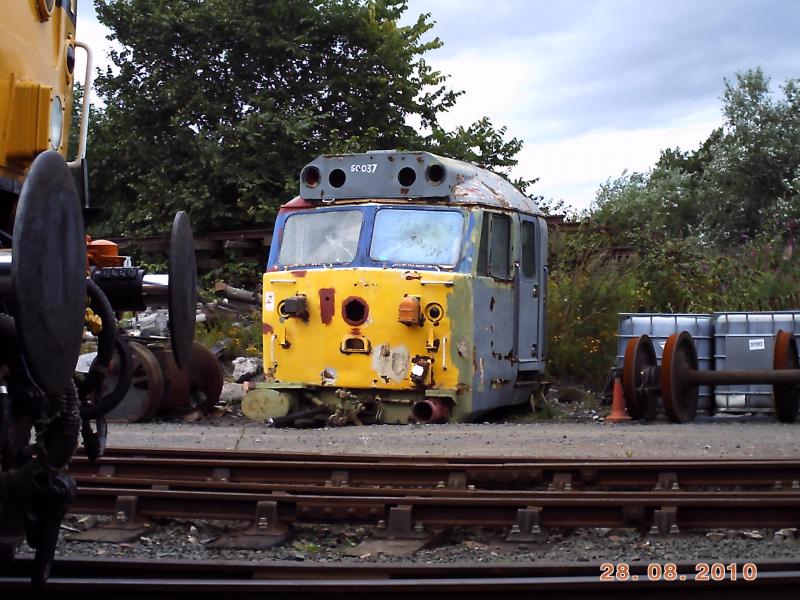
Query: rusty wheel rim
{"x": 176, "y": 381}
{"x": 206, "y": 377}
{"x": 146, "y": 391}
{"x": 786, "y": 398}
{"x": 640, "y": 354}
{"x": 679, "y": 357}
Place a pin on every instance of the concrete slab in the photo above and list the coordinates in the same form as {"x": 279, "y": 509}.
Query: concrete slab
{"x": 717, "y": 437}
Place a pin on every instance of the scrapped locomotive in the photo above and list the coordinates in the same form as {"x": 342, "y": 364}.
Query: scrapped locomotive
{"x": 401, "y": 287}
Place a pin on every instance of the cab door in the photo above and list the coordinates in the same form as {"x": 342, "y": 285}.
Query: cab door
{"x": 529, "y": 285}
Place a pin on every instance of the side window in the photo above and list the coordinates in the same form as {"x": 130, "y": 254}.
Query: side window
{"x": 528, "y": 259}
{"x": 494, "y": 252}
{"x": 500, "y": 247}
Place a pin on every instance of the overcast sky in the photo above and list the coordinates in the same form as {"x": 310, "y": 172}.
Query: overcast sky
{"x": 593, "y": 87}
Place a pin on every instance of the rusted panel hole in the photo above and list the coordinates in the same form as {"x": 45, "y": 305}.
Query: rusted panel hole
{"x": 355, "y": 310}
{"x": 326, "y": 305}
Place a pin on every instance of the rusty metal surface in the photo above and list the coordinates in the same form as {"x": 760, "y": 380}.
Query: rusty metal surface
{"x": 640, "y": 356}
{"x": 187, "y": 465}
{"x": 690, "y": 510}
{"x": 786, "y": 377}
{"x": 127, "y": 578}
{"x": 443, "y": 495}
{"x": 379, "y": 174}
{"x": 146, "y": 391}
{"x": 786, "y": 397}
{"x": 677, "y": 361}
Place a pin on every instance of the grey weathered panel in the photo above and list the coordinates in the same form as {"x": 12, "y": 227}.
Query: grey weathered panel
{"x": 745, "y": 341}
{"x": 659, "y": 326}
{"x": 376, "y": 175}
{"x": 495, "y": 369}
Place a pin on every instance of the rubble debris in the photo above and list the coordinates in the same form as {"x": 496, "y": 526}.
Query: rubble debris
{"x": 246, "y": 368}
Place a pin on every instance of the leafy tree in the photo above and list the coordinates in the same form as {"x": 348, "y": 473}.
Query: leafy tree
{"x": 752, "y": 182}
{"x": 216, "y": 105}
{"x": 743, "y": 182}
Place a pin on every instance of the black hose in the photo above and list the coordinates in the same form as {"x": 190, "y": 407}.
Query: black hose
{"x": 9, "y": 348}
{"x": 105, "y": 404}
{"x": 59, "y": 437}
{"x": 99, "y": 303}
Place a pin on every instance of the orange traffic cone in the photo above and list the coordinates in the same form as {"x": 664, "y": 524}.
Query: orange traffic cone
{"x": 618, "y": 412}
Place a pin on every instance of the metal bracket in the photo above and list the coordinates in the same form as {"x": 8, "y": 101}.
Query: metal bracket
{"x": 562, "y": 482}
{"x": 221, "y": 474}
{"x": 126, "y": 525}
{"x": 457, "y": 480}
{"x": 667, "y": 480}
{"x": 665, "y": 521}
{"x": 266, "y": 531}
{"x": 400, "y": 526}
{"x": 528, "y": 526}
{"x": 400, "y": 535}
{"x": 340, "y": 478}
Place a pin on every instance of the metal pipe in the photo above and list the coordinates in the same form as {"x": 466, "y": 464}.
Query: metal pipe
{"x": 85, "y": 105}
{"x": 771, "y": 377}
{"x": 155, "y": 290}
{"x": 431, "y": 410}
{"x": 5, "y": 273}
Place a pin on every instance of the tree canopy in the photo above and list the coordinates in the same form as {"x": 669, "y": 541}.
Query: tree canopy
{"x": 214, "y": 106}
{"x": 742, "y": 183}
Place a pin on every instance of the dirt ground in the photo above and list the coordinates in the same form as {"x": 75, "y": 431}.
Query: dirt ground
{"x": 719, "y": 436}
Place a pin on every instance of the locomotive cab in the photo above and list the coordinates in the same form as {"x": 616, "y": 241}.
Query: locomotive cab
{"x": 401, "y": 287}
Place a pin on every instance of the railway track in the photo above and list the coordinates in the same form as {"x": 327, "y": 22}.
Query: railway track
{"x": 405, "y": 498}
{"x": 128, "y": 578}
{"x": 452, "y": 472}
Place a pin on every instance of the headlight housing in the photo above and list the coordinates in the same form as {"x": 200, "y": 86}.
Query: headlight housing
{"x": 56, "y": 122}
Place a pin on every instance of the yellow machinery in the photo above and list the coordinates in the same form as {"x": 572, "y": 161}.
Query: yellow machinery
{"x": 47, "y": 275}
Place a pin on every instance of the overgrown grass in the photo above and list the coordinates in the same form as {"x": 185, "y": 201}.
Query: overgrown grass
{"x": 244, "y": 333}
{"x": 588, "y": 288}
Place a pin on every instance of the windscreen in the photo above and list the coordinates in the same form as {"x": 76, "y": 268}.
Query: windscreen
{"x": 417, "y": 237}
{"x": 316, "y": 238}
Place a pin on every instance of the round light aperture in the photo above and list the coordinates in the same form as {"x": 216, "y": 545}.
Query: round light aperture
{"x": 45, "y": 8}
{"x": 435, "y": 173}
{"x": 70, "y": 59}
{"x": 434, "y": 312}
{"x": 56, "y": 122}
{"x": 407, "y": 176}
{"x": 310, "y": 176}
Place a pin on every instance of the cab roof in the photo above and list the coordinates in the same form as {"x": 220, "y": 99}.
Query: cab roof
{"x": 392, "y": 174}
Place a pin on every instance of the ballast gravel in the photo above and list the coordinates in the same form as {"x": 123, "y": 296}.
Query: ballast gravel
{"x": 709, "y": 437}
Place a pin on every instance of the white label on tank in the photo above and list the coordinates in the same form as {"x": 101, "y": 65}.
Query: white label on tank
{"x": 269, "y": 301}
{"x": 662, "y": 344}
{"x": 757, "y": 344}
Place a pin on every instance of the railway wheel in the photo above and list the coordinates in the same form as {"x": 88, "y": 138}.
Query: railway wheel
{"x": 176, "y": 381}
{"x": 680, "y": 398}
{"x": 146, "y": 391}
{"x": 640, "y": 360}
{"x": 786, "y": 398}
{"x": 206, "y": 377}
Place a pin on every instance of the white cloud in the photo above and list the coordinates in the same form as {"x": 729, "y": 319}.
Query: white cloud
{"x": 572, "y": 169}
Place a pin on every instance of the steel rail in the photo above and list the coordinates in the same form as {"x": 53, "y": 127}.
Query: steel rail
{"x": 130, "y": 578}
{"x": 214, "y": 453}
{"x": 690, "y": 510}
{"x": 425, "y": 472}
{"x": 130, "y": 485}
